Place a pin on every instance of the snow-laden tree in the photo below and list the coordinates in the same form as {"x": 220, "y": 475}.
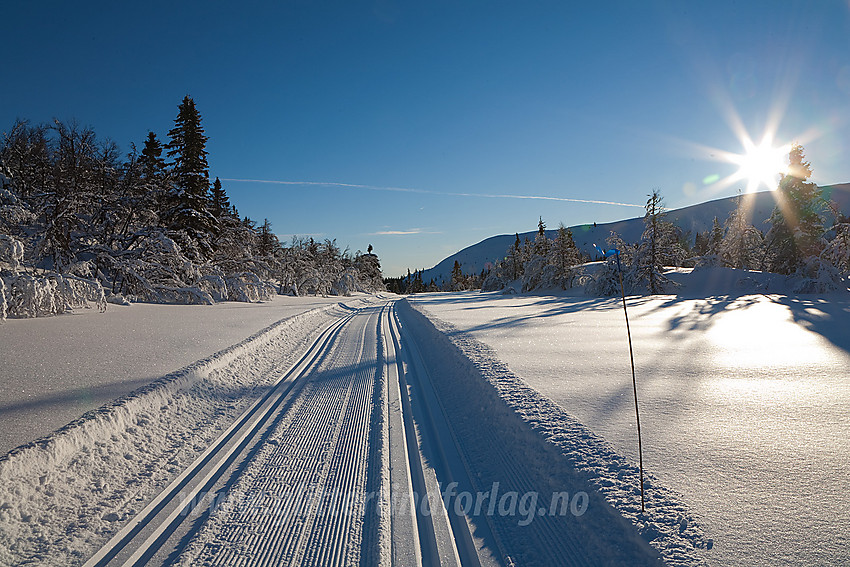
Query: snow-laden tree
{"x": 742, "y": 244}
{"x": 660, "y": 246}
{"x": 564, "y": 255}
{"x": 188, "y": 204}
{"x": 515, "y": 259}
{"x": 606, "y": 280}
{"x": 715, "y": 237}
{"x": 368, "y": 267}
{"x": 457, "y": 281}
{"x": 837, "y": 251}
{"x": 541, "y": 242}
{"x": 797, "y": 222}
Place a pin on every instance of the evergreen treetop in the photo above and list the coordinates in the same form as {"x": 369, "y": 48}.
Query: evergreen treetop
{"x": 187, "y": 148}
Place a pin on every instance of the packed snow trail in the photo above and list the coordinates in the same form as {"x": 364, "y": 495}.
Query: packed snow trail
{"x": 337, "y": 479}
{"x": 378, "y": 443}
{"x": 142, "y": 537}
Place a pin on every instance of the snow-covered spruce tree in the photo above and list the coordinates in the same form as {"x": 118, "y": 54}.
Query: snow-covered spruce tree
{"x": 541, "y": 242}
{"x": 742, "y": 244}
{"x": 837, "y": 251}
{"x": 797, "y": 222}
{"x": 660, "y": 246}
{"x": 715, "y": 237}
{"x": 369, "y": 269}
{"x": 457, "y": 281}
{"x": 565, "y": 256}
{"x": 267, "y": 241}
{"x": 188, "y": 212}
{"x": 515, "y": 259}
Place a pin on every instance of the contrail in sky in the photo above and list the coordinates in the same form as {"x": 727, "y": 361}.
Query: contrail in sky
{"x": 425, "y": 192}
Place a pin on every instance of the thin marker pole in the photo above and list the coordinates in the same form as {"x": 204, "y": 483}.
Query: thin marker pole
{"x": 634, "y": 381}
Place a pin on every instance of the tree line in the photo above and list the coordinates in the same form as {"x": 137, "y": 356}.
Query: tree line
{"x": 80, "y": 221}
{"x": 808, "y": 239}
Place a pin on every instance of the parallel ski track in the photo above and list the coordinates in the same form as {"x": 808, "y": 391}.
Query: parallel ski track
{"x": 312, "y": 483}
{"x": 305, "y": 467}
{"x": 143, "y": 536}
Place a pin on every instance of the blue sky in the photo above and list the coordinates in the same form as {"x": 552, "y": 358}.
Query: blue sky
{"x": 468, "y": 104}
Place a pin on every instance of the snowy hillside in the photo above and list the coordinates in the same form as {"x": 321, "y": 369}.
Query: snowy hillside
{"x": 693, "y": 219}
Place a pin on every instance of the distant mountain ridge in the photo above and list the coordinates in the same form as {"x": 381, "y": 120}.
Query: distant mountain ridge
{"x": 692, "y": 219}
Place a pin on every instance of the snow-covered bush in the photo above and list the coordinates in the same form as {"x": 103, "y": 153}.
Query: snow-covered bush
{"x": 248, "y": 287}
{"x": 189, "y": 295}
{"x": 31, "y": 296}
{"x": 495, "y": 280}
{"x": 817, "y": 276}
{"x": 13, "y": 212}
{"x": 346, "y": 283}
{"x": 11, "y": 253}
{"x": 605, "y": 281}
{"x": 214, "y": 285}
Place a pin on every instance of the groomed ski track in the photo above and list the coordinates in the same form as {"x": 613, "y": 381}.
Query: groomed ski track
{"x": 325, "y": 469}
{"x": 345, "y": 461}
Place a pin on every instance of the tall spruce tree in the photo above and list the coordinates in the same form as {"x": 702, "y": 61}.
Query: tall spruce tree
{"x": 267, "y": 241}
{"x": 797, "y": 222}
{"x": 188, "y": 150}
{"x": 189, "y": 210}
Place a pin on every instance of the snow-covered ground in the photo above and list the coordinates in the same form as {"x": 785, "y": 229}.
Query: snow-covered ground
{"x": 66, "y": 494}
{"x": 54, "y": 369}
{"x": 743, "y": 398}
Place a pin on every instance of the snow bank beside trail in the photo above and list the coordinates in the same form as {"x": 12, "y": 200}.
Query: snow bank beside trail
{"x": 65, "y": 495}
{"x": 667, "y": 525}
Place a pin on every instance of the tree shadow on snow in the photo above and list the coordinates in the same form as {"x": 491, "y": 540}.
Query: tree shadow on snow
{"x": 826, "y": 317}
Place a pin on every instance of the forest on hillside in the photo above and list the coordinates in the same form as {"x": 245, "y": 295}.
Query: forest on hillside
{"x": 80, "y": 223}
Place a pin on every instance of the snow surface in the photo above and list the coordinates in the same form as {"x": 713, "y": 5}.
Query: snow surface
{"x": 54, "y": 369}
{"x": 68, "y": 493}
{"x": 743, "y": 398}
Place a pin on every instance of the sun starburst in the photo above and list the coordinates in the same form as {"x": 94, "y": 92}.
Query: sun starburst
{"x": 760, "y": 164}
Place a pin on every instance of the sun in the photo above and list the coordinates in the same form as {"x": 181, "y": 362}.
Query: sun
{"x": 760, "y": 164}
